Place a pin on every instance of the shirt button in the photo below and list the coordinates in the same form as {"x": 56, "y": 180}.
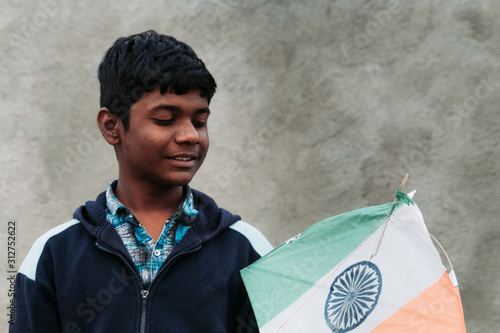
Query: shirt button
{"x": 157, "y": 252}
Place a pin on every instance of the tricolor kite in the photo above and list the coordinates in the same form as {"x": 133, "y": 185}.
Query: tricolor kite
{"x": 374, "y": 269}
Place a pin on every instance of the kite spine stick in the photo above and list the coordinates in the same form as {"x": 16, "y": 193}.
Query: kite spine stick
{"x": 400, "y": 190}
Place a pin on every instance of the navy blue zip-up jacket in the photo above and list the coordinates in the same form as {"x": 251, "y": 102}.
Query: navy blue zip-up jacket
{"x": 79, "y": 277}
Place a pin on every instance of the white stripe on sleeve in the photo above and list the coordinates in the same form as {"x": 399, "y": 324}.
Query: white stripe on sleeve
{"x": 258, "y": 241}
{"x": 30, "y": 263}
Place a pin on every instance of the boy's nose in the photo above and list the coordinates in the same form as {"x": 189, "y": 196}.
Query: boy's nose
{"x": 187, "y": 133}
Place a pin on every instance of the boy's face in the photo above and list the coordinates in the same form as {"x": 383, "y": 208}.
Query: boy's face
{"x": 167, "y": 138}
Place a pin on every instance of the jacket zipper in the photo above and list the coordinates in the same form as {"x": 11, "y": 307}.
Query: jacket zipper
{"x": 144, "y": 292}
{"x": 144, "y": 295}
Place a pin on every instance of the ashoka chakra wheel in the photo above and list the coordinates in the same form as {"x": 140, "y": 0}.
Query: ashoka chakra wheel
{"x": 353, "y": 296}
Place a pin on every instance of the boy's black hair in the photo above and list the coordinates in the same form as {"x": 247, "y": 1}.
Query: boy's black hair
{"x": 139, "y": 63}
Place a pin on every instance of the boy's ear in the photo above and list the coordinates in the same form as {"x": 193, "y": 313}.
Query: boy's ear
{"x": 109, "y": 125}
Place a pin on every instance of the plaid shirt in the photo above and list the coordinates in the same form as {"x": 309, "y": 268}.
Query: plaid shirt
{"x": 147, "y": 255}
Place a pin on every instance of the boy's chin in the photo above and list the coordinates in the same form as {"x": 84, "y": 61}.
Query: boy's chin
{"x": 176, "y": 181}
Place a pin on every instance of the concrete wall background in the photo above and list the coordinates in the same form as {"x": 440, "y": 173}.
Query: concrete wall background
{"x": 322, "y": 108}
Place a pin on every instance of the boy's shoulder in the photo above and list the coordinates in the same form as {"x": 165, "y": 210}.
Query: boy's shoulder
{"x": 229, "y": 221}
{"x": 29, "y": 265}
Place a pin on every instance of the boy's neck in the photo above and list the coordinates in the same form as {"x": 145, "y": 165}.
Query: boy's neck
{"x": 141, "y": 198}
{"x": 151, "y": 206}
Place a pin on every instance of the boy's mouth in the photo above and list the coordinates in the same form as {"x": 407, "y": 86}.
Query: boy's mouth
{"x": 183, "y": 157}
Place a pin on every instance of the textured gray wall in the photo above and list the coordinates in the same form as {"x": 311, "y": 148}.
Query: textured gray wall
{"x": 322, "y": 108}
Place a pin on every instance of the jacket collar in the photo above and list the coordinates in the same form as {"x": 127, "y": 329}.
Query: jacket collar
{"x": 211, "y": 221}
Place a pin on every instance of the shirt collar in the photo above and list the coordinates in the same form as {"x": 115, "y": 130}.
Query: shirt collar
{"x": 185, "y": 213}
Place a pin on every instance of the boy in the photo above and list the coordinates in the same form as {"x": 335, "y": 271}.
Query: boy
{"x": 149, "y": 254}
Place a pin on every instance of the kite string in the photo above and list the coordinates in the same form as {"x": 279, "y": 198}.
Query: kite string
{"x": 392, "y": 209}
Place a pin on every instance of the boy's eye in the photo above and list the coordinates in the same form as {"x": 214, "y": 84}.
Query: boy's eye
{"x": 164, "y": 122}
{"x": 199, "y": 124}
